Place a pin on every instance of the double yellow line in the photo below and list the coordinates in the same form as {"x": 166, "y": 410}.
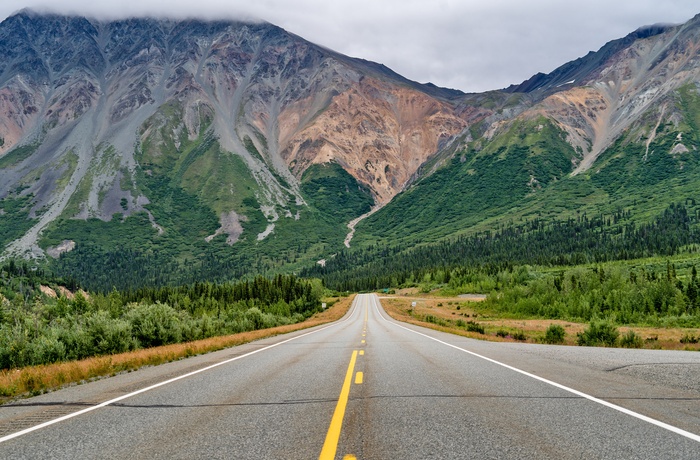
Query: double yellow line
{"x": 330, "y": 446}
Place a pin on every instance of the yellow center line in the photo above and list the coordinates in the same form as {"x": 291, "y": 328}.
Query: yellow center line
{"x": 362, "y": 352}
{"x": 331, "y": 444}
{"x": 358, "y": 378}
{"x": 363, "y": 341}
{"x": 349, "y": 457}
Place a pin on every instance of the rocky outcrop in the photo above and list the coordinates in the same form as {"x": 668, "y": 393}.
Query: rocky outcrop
{"x": 619, "y": 86}
{"x": 380, "y": 133}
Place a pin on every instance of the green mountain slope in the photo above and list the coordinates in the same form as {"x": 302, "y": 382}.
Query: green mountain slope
{"x": 525, "y": 172}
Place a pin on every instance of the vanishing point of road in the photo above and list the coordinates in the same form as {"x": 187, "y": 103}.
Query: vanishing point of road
{"x": 368, "y": 387}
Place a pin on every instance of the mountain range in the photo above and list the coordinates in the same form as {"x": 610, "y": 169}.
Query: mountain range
{"x": 200, "y": 147}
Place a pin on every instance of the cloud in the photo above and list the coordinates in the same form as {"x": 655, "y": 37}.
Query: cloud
{"x": 471, "y": 45}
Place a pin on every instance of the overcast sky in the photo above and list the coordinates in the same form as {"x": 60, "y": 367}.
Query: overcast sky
{"x": 471, "y": 45}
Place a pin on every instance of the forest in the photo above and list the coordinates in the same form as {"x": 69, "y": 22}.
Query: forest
{"x": 42, "y": 321}
{"x": 574, "y": 270}
{"x": 583, "y": 240}
{"x": 615, "y": 292}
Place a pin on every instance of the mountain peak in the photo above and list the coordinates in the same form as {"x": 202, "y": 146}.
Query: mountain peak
{"x": 104, "y": 106}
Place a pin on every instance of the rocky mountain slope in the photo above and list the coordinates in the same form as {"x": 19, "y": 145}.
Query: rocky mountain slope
{"x": 617, "y": 128}
{"x": 91, "y": 111}
{"x": 240, "y": 143}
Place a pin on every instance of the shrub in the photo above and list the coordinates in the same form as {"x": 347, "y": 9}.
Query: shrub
{"x": 501, "y": 333}
{"x": 689, "y": 338}
{"x": 554, "y": 334}
{"x": 107, "y": 335}
{"x": 519, "y": 335}
{"x": 598, "y": 333}
{"x": 475, "y": 327}
{"x": 155, "y": 324}
{"x": 435, "y": 320}
{"x": 46, "y": 349}
{"x": 461, "y": 323}
{"x": 631, "y": 340}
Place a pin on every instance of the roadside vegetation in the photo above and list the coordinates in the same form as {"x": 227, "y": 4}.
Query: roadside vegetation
{"x": 43, "y": 322}
{"x": 32, "y": 380}
{"x": 472, "y": 318}
{"x": 606, "y": 280}
{"x": 612, "y": 304}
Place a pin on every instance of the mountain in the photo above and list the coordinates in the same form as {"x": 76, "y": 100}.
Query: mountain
{"x": 164, "y": 151}
{"x": 154, "y": 134}
{"x": 616, "y": 129}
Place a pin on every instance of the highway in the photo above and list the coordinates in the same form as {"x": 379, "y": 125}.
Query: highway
{"x": 368, "y": 387}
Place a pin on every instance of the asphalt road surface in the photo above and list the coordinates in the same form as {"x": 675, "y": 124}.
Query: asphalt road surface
{"x": 368, "y": 387}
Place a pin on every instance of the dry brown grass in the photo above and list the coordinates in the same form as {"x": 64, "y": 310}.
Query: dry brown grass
{"x": 452, "y": 309}
{"x": 38, "y": 379}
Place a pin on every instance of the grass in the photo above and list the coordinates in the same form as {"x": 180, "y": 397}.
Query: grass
{"x": 455, "y": 315}
{"x": 17, "y": 155}
{"x": 34, "y": 380}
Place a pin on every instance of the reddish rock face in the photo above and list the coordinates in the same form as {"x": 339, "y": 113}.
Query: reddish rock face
{"x": 380, "y": 133}
{"x": 631, "y": 88}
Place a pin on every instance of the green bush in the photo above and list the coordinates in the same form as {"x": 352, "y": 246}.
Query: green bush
{"x": 435, "y": 320}
{"x": 475, "y": 327}
{"x": 554, "y": 334}
{"x": 502, "y": 333}
{"x": 155, "y": 324}
{"x": 519, "y": 335}
{"x": 631, "y": 340}
{"x": 46, "y": 349}
{"x": 109, "y": 336}
{"x": 598, "y": 333}
{"x": 689, "y": 338}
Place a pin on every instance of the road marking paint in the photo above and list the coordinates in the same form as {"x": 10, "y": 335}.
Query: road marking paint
{"x": 362, "y": 352}
{"x": 358, "y": 378}
{"x": 349, "y": 457}
{"x": 175, "y": 379}
{"x": 363, "y": 341}
{"x": 631, "y": 413}
{"x": 331, "y": 443}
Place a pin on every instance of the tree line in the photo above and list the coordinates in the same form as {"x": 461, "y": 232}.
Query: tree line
{"x": 36, "y": 328}
{"x": 575, "y": 241}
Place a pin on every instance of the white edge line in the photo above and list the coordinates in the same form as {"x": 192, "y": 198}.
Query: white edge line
{"x": 174, "y": 379}
{"x": 658, "y": 423}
